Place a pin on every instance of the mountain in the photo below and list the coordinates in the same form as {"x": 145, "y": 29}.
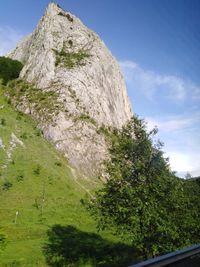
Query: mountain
{"x": 71, "y": 92}
{"x": 80, "y": 82}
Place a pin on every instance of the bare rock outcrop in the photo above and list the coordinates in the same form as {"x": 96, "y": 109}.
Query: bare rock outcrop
{"x": 64, "y": 56}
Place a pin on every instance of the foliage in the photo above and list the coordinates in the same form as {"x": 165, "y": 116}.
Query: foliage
{"x": 70, "y": 60}
{"x": 67, "y": 16}
{"x": 44, "y": 103}
{"x": 142, "y": 197}
{"x": 9, "y": 69}
{"x": 188, "y": 219}
{"x": 85, "y": 117}
{"x": 37, "y": 170}
{"x": 2, "y": 241}
{"x": 57, "y": 163}
{"x": 6, "y": 185}
{"x": 2, "y": 122}
{"x": 20, "y": 177}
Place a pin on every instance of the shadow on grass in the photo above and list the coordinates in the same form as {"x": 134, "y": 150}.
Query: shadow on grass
{"x": 68, "y": 246}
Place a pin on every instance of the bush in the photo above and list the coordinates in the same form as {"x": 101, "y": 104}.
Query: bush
{"x": 86, "y": 118}
{"x": 20, "y": 177}
{"x": 9, "y": 69}
{"x": 57, "y": 163}
{"x": 6, "y": 185}
{"x": 24, "y": 135}
{"x": 38, "y": 132}
{"x": 2, "y": 122}
{"x": 66, "y": 15}
{"x": 70, "y": 60}
{"x": 37, "y": 170}
{"x": 2, "y": 241}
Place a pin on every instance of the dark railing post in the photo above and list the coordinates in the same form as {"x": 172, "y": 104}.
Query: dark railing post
{"x": 170, "y": 257}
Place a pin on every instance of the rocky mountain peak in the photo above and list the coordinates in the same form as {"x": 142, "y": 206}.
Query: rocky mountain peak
{"x": 52, "y": 9}
{"x": 63, "y": 56}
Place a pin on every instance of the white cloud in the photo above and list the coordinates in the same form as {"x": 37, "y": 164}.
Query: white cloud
{"x": 174, "y": 123}
{"x": 180, "y": 133}
{"x": 151, "y": 83}
{"x": 8, "y": 39}
{"x": 184, "y": 162}
{"x": 181, "y": 138}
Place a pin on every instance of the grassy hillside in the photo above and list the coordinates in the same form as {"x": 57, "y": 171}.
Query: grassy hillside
{"x": 40, "y": 203}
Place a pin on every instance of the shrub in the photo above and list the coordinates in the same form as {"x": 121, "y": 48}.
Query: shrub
{"x": 24, "y": 136}
{"x": 36, "y": 204}
{"x": 57, "y": 163}
{"x": 7, "y": 185}
{"x": 37, "y": 170}
{"x": 9, "y": 69}
{"x": 2, "y": 122}
{"x": 86, "y": 118}
{"x": 66, "y": 15}
{"x": 20, "y": 177}
{"x": 2, "y": 241}
{"x": 70, "y": 42}
{"x": 39, "y": 132}
{"x": 70, "y": 60}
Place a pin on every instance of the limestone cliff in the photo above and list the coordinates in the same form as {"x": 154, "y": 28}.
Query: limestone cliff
{"x": 64, "y": 56}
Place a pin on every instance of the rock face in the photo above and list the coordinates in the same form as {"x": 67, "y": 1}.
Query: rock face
{"x": 65, "y": 56}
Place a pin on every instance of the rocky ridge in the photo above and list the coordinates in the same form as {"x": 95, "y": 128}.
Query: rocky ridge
{"x": 65, "y": 58}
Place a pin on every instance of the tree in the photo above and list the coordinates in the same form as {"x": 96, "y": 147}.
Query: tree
{"x": 142, "y": 196}
{"x": 9, "y": 69}
{"x": 189, "y": 221}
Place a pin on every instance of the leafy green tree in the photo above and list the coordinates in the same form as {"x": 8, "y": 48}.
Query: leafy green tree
{"x": 189, "y": 219}
{"x": 142, "y": 197}
{"x": 9, "y": 69}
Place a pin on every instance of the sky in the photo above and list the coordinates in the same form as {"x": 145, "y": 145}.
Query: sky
{"x": 157, "y": 44}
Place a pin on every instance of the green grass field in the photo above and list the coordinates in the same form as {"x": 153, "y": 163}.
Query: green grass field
{"x": 37, "y": 182}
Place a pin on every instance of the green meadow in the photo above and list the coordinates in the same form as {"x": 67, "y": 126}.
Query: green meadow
{"x": 41, "y": 215}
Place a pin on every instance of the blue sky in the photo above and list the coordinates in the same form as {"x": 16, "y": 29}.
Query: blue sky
{"x": 157, "y": 44}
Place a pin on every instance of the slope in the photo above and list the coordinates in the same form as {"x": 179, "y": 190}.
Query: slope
{"x": 38, "y": 189}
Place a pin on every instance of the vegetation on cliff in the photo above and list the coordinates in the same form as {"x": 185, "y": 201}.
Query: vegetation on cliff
{"x": 44, "y": 103}
{"x": 70, "y": 60}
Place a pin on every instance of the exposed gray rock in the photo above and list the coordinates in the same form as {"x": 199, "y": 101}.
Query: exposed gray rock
{"x": 1, "y": 144}
{"x": 64, "y": 55}
{"x": 14, "y": 142}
